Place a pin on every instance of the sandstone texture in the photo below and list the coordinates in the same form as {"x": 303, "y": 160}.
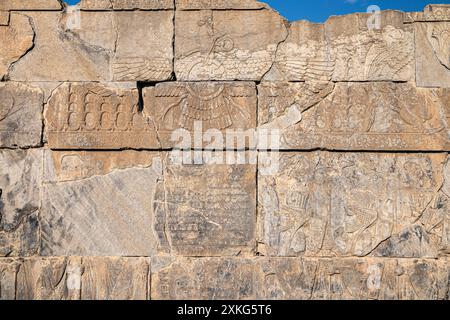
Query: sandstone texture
{"x": 200, "y": 149}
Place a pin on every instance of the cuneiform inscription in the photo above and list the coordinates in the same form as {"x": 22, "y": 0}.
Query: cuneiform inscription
{"x": 204, "y": 210}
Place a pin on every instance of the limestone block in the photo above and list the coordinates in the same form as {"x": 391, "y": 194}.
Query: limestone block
{"x": 62, "y": 166}
{"x": 117, "y": 51}
{"x": 94, "y": 205}
{"x": 4, "y": 18}
{"x": 344, "y": 49}
{"x": 18, "y": 5}
{"x": 126, "y": 5}
{"x": 20, "y": 115}
{"x": 16, "y": 39}
{"x": 206, "y": 279}
{"x": 206, "y": 210}
{"x": 20, "y": 187}
{"x": 209, "y": 47}
{"x": 200, "y": 210}
{"x": 432, "y": 54}
{"x": 115, "y": 279}
{"x": 200, "y": 107}
{"x": 432, "y": 12}
{"x": 220, "y": 5}
{"x": 354, "y": 279}
{"x": 301, "y": 279}
{"x": 354, "y": 204}
{"x": 74, "y": 278}
{"x": 358, "y": 116}
{"x": 96, "y": 116}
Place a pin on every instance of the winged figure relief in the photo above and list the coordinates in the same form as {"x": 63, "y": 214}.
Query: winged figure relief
{"x": 214, "y": 106}
{"x": 141, "y": 68}
{"x": 224, "y": 61}
{"x": 317, "y": 73}
{"x": 388, "y": 58}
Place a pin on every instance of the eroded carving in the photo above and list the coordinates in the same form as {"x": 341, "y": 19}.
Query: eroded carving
{"x": 206, "y": 210}
{"x": 91, "y": 116}
{"x": 327, "y": 204}
{"x": 20, "y": 187}
{"x": 218, "y": 50}
{"x": 376, "y": 116}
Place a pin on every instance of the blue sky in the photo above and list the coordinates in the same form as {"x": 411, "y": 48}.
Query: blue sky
{"x": 320, "y": 10}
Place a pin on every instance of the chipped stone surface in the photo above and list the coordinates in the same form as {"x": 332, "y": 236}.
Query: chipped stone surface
{"x": 205, "y": 106}
{"x": 115, "y": 279}
{"x": 354, "y": 204}
{"x": 95, "y": 116}
{"x": 117, "y": 52}
{"x": 74, "y": 278}
{"x": 80, "y": 217}
{"x": 343, "y": 49}
{"x": 208, "y": 47}
{"x": 20, "y": 115}
{"x": 432, "y": 54}
{"x": 4, "y": 18}
{"x": 16, "y": 38}
{"x": 369, "y": 116}
{"x": 219, "y": 4}
{"x": 61, "y": 166}
{"x": 302, "y": 279}
{"x": 206, "y": 210}
{"x": 30, "y": 5}
{"x": 126, "y": 4}
{"x": 20, "y": 187}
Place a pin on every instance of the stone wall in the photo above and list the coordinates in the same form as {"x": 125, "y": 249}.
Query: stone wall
{"x": 94, "y": 203}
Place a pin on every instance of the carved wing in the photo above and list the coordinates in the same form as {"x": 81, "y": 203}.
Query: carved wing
{"x": 141, "y": 69}
{"x": 384, "y": 61}
{"x": 317, "y": 74}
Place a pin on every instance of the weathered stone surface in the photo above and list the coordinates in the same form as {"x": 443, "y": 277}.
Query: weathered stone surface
{"x": 354, "y": 204}
{"x": 100, "y": 215}
{"x": 369, "y": 116}
{"x": 20, "y": 115}
{"x": 4, "y": 18}
{"x": 61, "y": 166}
{"x": 343, "y": 49}
{"x": 209, "y": 47}
{"x": 432, "y": 12}
{"x": 126, "y": 4}
{"x": 432, "y": 54}
{"x": 16, "y": 39}
{"x": 302, "y": 279}
{"x": 20, "y": 187}
{"x": 206, "y": 210}
{"x": 30, "y": 5}
{"x": 202, "y": 107}
{"x": 95, "y": 116}
{"x": 115, "y": 279}
{"x": 74, "y": 278}
{"x": 206, "y": 279}
{"x": 220, "y": 5}
{"x": 116, "y": 51}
